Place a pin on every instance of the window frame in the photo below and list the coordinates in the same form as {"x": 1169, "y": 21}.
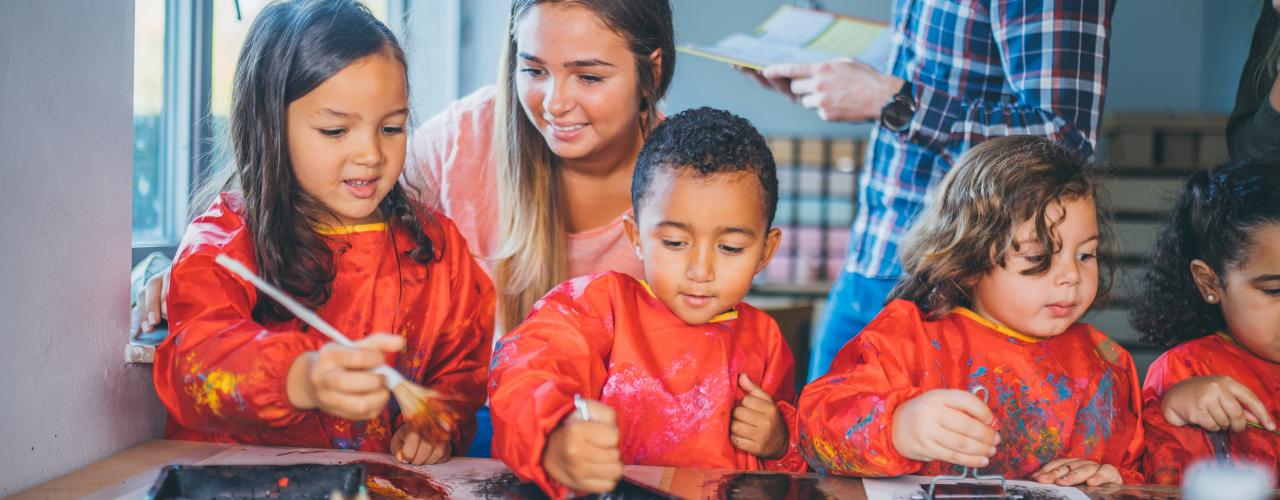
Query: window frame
{"x": 186, "y": 142}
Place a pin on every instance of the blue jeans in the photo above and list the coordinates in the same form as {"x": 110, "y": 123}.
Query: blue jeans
{"x": 854, "y": 301}
{"x": 481, "y": 446}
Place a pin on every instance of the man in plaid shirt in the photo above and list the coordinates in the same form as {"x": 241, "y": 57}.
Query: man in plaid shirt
{"x": 960, "y": 71}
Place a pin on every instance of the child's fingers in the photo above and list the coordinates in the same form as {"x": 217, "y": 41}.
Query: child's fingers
{"x": 409, "y": 450}
{"x": 1237, "y": 420}
{"x": 381, "y": 342}
{"x": 422, "y": 454}
{"x": 350, "y": 358}
{"x": 745, "y": 443}
{"x": 1106, "y": 474}
{"x": 764, "y": 406}
{"x": 958, "y": 458}
{"x": 439, "y": 453}
{"x": 397, "y": 443}
{"x": 742, "y": 429}
{"x": 748, "y": 415}
{"x": 1078, "y": 472}
{"x": 1218, "y": 416}
{"x": 962, "y": 423}
{"x": 351, "y": 382}
{"x": 968, "y": 403}
{"x": 601, "y": 413}
{"x": 1253, "y": 404}
{"x": 1173, "y": 417}
{"x": 753, "y": 389}
{"x": 1051, "y": 471}
{"x": 599, "y": 435}
{"x": 963, "y": 444}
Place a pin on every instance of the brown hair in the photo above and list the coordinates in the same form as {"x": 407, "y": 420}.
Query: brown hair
{"x": 531, "y": 220}
{"x": 967, "y": 228}
{"x": 292, "y": 48}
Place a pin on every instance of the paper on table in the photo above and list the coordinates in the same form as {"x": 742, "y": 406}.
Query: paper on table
{"x": 795, "y": 35}
{"x": 904, "y": 486}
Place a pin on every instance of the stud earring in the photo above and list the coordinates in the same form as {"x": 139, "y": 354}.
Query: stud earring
{"x": 1211, "y": 298}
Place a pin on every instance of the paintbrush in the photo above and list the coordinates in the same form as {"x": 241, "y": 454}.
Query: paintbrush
{"x": 1260, "y": 427}
{"x": 421, "y": 407}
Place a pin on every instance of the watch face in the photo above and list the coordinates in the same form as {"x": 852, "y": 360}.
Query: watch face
{"x": 896, "y": 115}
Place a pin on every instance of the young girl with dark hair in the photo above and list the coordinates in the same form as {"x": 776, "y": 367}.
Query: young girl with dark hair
{"x": 1213, "y": 294}
{"x": 318, "y": 130}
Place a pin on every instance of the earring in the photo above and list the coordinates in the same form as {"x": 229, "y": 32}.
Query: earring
{"x": 1211, "y": 298}
{"x": 638, "y": 254}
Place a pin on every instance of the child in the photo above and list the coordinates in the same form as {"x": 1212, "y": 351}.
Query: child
{"x": 679, "y": 372}
{"x": 999, "y": 269}
{"x": 1213, "y": 292}
{"x": 318, "y": 127}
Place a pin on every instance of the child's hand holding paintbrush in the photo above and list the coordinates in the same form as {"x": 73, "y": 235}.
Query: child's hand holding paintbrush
{"x": 1215, "y": 402}
{"x": 350, "y": 380}
{"x": 338, "y": 379}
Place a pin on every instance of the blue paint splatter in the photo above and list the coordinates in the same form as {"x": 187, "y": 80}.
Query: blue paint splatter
{"x": 982, "y": 370}
{"x": 859, "y": 425}
{"x": 936, "y": 345}
{"x": 1098, "y": 417}
{"x": 1061, "y": 386}
{"x": 499, "y": 355}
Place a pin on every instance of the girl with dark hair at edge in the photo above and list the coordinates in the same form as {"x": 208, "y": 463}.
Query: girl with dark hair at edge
{"x": 1213, "y": 295}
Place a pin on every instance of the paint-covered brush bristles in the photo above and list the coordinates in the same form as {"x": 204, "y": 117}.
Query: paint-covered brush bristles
{"x": 423, "y": 408}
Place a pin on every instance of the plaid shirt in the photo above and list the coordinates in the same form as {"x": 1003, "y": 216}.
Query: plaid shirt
{"x": 979, "y": 68}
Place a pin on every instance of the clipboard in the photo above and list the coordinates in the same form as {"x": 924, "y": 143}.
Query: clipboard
{"x": 798, "y": 35}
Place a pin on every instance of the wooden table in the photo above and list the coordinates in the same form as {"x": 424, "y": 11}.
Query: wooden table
{"x": 129, "y": 473}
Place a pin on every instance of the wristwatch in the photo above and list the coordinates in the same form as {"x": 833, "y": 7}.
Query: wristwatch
{"x": 896, "y": 114}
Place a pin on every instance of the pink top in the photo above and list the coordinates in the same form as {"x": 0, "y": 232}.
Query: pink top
{"x": 449, "y": 158}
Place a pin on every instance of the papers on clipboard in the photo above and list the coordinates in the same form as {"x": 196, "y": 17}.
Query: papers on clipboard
{"x": 796, "y": 35}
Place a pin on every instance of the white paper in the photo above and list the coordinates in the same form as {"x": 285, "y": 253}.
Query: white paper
{"x": 766, "y": 52}
{"x": 903, "y": 487}
{"x": 795, "y": 26}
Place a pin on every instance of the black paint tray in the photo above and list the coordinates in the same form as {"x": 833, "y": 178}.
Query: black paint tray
{"x": 257, "y": 481}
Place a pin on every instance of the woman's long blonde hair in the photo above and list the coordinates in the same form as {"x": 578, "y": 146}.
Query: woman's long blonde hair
{"x": 531, "y": 255}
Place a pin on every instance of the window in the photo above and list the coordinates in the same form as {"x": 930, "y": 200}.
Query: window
{"x": 148, "y": 103}
{"x": 185, "y": 54}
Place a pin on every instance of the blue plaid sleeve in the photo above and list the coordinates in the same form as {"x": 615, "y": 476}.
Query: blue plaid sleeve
{"x": 1054, "y": 59}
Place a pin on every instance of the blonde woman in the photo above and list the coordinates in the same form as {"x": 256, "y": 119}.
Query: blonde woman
{"x": 536, "y": 170}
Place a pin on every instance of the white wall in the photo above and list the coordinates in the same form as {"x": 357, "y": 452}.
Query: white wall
{"x": 65, "y": 158}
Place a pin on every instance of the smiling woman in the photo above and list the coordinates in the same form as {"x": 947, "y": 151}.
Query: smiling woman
{"x": 537, "y": 172}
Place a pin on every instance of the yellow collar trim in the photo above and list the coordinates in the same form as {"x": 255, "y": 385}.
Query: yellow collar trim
{"x": 358, "y": 228}
{"x": 1226, "y": 337}
{"x": 968, "y": 313}
{"x": 724, "y": 316}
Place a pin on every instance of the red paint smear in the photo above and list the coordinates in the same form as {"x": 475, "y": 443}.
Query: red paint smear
{"x": 389, "y": 481}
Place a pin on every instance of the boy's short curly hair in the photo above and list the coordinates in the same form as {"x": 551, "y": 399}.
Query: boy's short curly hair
{"x": 706, "y": 141}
